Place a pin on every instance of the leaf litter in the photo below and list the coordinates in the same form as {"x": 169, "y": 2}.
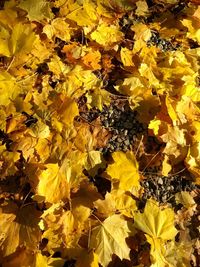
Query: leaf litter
{"x": 99, "y": 133}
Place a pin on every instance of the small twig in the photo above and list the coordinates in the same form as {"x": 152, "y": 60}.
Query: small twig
{"x": 139, "y": 145}
{"x": 9, "y": 66}
{"x": 151, "y": 161}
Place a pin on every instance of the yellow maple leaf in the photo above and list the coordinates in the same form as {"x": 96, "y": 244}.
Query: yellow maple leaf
{"x": 126, "y": 57}
{"x": 98, "y": 97}
{"x": 142, "y": 8}
{"x": 171, "y": 108}
{"x": 18, "y": 227}
{"x": 8, "y": 81}
{"x": 107, "y": 35}
{"x": 193, "y": 29}
{"x": 124, "y": 170}
{"x": 72, "y": 167}
{"x": 4, "y": 38}
{"x": 53, "y": 184}
{"x": 156, "y": 222}
{"x": 193, "y": 160}
{"x": 166, "y": 166}
{"x": 107, "y": 239}
{"x": 116, "y": 201}
{"x": 157, "y": 253}
{"x": 78, "y": 81}
{"x": 64, "y": 227}
{"x": 94, "y": 162}
{"x": 9, "y": 159}
{"x": 22, "y": 39}
{"x": 133, "y": 87}
{"x": 36, "y": 9}
{"x": 67, "y": 110}
{"x": 108, "y": 8}
{"x": 84, "y": 14}
{"x": 56, "y": 29}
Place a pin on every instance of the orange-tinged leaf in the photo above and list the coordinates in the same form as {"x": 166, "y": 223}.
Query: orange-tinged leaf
{"x": 92, "y": 59}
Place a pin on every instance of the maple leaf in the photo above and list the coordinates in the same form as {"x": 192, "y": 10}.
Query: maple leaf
{"x": 94, "y": 162}
{"x": 159, "y": 227}
{"x": 173, "y": 136}
{"x": 19, "y": 40}
{"x": 18, "y": 227}
{"x": 157, "y": 253}
{"x": 8, "y": 81}
{"x": 98, "y": 97}
{"x": 78, "y": 81}
{"x": 63, "y": 227}
{"x": 22, "y": 39}
{"x": 193, "y": 30}
{"x": 56, "y": 29}
{"x": 178, "y": 254}
{"x": 36, "y": 9}
{"x": 156, "y": 222}
{"x": 126, "y": 57}
{"x": 193, "y": 160}
{"x": 106, "y": 35}
{"x": 133, "y": 87}
{"x": 40, "y": 130}
{"x": 4, "y": 37}
{"x": 92, "y": 60}
{"x": 124, "y": 170}
{"x": 72, "y": 167}
{"x": 107, "y": 239}
{"x": 8, "y": 160}
{"x": 83, "y": 15}
{"x": 116, "y": 201}
{"x": 142, "y": 8}
{"x": 67, "y": 109}
{"x": 53, "y": 184}
{"x": 108, "y": 8}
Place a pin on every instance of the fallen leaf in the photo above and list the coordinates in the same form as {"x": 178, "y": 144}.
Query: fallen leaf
{"x": 107, "y": 239}
{"x": 124, "y": 170}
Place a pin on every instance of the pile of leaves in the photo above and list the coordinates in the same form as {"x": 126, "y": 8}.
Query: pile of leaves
{"x": 99, "y": 133}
